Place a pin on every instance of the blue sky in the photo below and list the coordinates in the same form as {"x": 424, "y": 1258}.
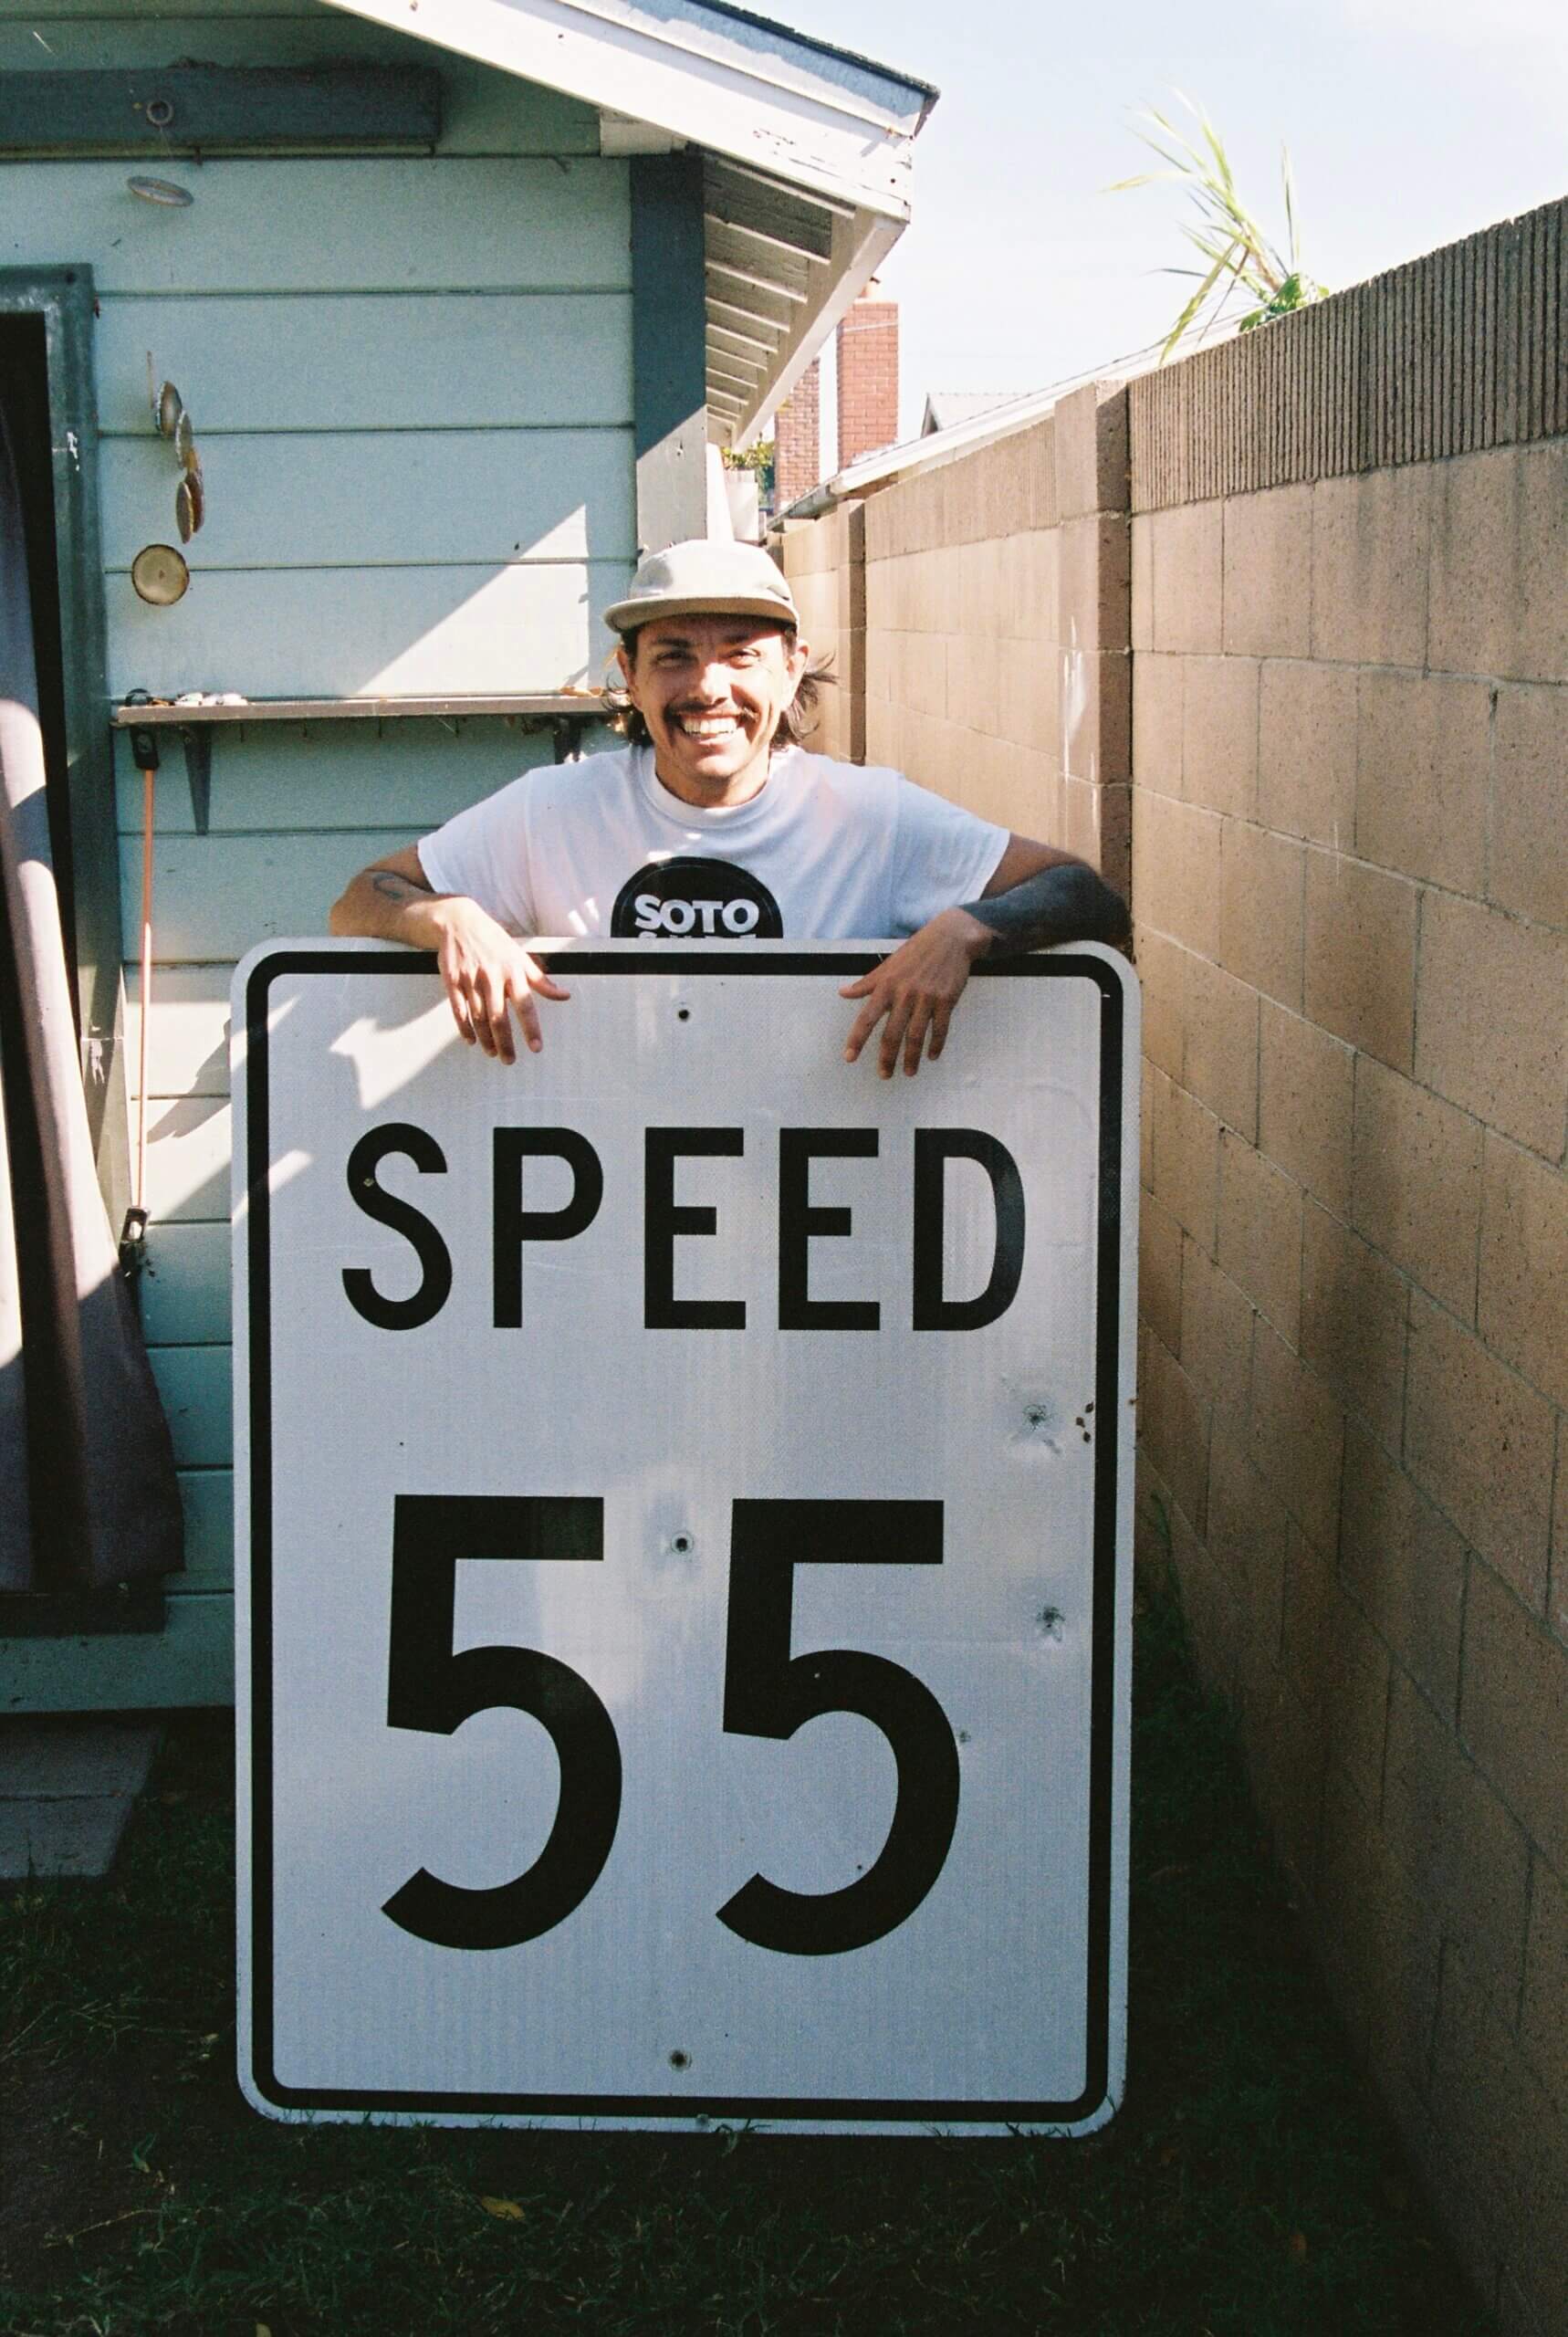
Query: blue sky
{"x": 1410, "y": 122}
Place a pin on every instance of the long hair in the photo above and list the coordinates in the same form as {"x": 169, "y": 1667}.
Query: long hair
{"x": 794, "y": 726}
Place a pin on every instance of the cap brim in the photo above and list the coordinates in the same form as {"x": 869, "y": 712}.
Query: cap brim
{"x": 629, "y": 616}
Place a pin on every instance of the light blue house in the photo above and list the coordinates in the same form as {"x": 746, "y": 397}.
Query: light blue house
{"x": 461, "y": 298}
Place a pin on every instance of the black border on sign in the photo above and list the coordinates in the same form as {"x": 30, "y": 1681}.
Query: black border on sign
{"x": 729, "y": 960}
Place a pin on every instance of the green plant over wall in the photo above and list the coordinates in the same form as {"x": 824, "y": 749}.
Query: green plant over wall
{"x": 1238, "y": 257}
{"x": 757, "y": 457}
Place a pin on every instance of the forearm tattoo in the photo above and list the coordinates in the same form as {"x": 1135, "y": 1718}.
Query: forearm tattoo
{"x": 1067, "y": 903}
{"x": 400, "y": 889}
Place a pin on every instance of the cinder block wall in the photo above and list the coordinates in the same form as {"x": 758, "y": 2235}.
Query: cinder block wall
{"x": 1349, "y": 624}
{"x": 986, "y": 627}
{"x": 824, "y": 560}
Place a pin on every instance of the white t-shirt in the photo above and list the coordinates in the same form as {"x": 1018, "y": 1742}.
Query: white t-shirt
{"x": 826, "y": 851}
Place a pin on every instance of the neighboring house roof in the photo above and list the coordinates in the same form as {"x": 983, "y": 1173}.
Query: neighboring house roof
{"x": 807, "y": 156}
{"x": 945, "y": 408}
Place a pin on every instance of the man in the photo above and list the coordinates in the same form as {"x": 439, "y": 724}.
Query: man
{"x": 712, "y": 823}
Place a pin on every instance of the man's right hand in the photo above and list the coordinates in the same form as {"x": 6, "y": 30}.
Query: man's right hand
{"x": 488, "y": 975}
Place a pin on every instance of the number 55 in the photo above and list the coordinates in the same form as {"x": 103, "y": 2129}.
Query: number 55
{"x": 768, "y": 1693}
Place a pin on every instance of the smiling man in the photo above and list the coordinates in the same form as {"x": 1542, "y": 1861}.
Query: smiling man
{"x": 715, "y": 824}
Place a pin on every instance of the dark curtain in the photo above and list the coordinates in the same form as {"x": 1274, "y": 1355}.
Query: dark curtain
{"x": 87, "y": 1493}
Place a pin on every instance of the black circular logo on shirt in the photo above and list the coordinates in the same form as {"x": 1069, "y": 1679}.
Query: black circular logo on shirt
{"x": 694, "y": 900}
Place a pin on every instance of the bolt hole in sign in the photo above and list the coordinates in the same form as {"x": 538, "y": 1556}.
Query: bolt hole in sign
{"x": 685, "y": 1515}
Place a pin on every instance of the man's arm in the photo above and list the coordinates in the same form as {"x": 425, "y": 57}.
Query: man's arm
{"x": 1036, "y": 897}
{"x": 488, "y": 974}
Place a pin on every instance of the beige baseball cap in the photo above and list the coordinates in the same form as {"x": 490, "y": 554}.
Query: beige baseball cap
{"x": 701, "y": 579}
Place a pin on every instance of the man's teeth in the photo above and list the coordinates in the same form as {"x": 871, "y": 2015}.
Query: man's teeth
{"x": 714, "y": 727}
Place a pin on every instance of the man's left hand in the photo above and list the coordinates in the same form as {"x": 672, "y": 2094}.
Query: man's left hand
{"x": 917, "y": 989}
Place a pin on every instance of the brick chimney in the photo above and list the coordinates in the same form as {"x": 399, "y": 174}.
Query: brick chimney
{"x": 868, "y": 376}
{"x": 796, "y": 442}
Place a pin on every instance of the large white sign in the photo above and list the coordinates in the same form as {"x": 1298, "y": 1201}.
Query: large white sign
{"x": 684, "y": 1506}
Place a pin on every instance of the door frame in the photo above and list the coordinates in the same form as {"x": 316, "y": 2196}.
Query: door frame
{"x": 64, "y": 297}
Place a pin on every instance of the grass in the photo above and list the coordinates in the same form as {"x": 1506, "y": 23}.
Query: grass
{"x": 1247, "y": 2188}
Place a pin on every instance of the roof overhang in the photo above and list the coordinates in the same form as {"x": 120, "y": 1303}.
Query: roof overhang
{"x": 807, "y": 147}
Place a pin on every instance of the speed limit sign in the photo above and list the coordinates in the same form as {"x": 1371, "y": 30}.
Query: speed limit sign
{"x": 684, "y": 1508}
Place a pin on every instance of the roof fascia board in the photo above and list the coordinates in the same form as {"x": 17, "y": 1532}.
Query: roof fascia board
{"x": 733, "y": 99}
{"x": 774, "y": 52}
{"x": 861, "y": 247}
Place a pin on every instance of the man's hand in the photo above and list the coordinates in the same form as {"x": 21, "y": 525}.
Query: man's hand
{"x": 917, "y": 988}
{"x": 489, "y": 977}
{"x": 488, "y": 974}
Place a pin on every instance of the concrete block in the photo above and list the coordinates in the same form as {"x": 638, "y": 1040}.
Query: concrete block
{"x": 1296, "y": 1436}
{"x": 1557, "y": 1596}
{"x": 1286, "y": 1763}
{"x": 1522, "y": 1303}
{"x": 1337, "y": 1664}
{"x": 1090, "y": 450}
{"x": 1446, "y": 1826}
{"x": 1360, "y": 956}
{"x": 1247, "y": 1537}
{"x": 982, "y": 603}
{"x": 883, "y": 734}
{"x": 1213, "y": 1622}
{"x": 1306, "y": 1094}
{"x": 1406, "y": 1565}
{"x": 1027, "y": 696}
{"x": 1422, "y": 771}
{"x": 1306, "y": 751}
{"x": 1415, "y": 1189}
{"x": 56, "y": 1759}
{"x": 920, "y": 672}
{"x": 1479, "y": 1441}
{"x": 1159, "y": 1272}
{"x": 1529, "y": 861}
{"x": 1369, "y": 567}
{"x": 1220, "y": 1054}
{"x": 1260, "y": 910}
{"x": 974, "y": 680}
{"x": 1217, "y": 1318}
{"x": 1220, "y": 734}
{"x": 1491, "y": 1031}
{"x": 1542, "y": 2030}
{"x": 1355, "y": 1307}
{"x": 1381, "y": 1945}
{"x": 879, "y": 662}
{"x": 1186, "y": 1160}
{"x": 1512, "y": 2141}
{"x": 1156, "y": 1084}
{"x": 1018, "y": 787}
{"x": 1499, "y": 546}
{"x": 1143, "y": 624}
{"x": 1173, "y": 1421}
{"x": 1513, "y": 1710}
{"x": 1269, "y": 573}
{"x": 1095, "y": 725}
{"x": 1157, "y": 684}
{"x": 1259, "y": 1233}
{"x": 1162, "y": 970}
{"x": 1030, "y": 567}
{"x": 1187, "y": 554}
{"x": 1094, "y": 559}
{"x": 1095, "y": 824}
{"x": 74, "y": 1840}
{"x": 1176, "y": 870}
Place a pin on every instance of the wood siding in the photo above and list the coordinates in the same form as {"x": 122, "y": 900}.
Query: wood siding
{"x": 410, "y": 381}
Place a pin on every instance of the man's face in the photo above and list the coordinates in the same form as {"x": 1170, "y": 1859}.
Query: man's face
{"x": 711, "y": 690}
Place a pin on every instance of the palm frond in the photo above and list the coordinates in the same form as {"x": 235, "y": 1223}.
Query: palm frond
{"x": 1241, "y": 256}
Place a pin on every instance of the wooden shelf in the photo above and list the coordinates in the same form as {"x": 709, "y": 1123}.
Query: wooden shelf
{"x": 566, "y": 711}
{"x": 582, "y": 706}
